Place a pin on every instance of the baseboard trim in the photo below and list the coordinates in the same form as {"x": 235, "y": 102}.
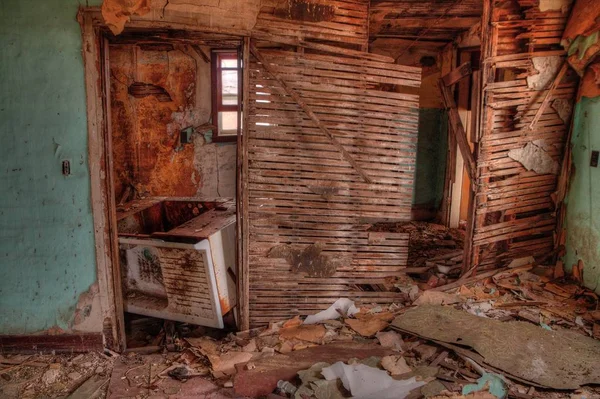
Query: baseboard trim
{"x": 61, "y": 343}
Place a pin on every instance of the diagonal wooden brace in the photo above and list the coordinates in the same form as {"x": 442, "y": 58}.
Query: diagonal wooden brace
{"x": 557, "y": 79}
{"x": 307, "y": 109}
{"x": 459, "y": 132}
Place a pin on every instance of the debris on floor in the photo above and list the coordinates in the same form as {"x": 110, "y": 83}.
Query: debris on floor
{"x": 524, "y": 331}
{"x": 560, "y": 359}
{"x": 51, "y": 376}
{"x": 435, "y": 249}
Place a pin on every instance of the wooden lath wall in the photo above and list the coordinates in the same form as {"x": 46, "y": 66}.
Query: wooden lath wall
{"x": 515, "y": 210}
{"x": 340, "y": 21}
{"x": 303, "y": 191}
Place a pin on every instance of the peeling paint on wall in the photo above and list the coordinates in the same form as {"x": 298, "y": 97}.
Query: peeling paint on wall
{"x": 148, "y": 154}
{"x": 582, "y": 221}
{"x": 88, "y": 315}
{"x": 217, "y": 163}
{"x": 534, "y": 157}
{"x": 564, "y": 109}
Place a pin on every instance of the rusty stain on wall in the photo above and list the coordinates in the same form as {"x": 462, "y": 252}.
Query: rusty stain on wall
{"x": 172, "y": 90}
{"x": 309, "y": 260}
{"x": 146, "y": 153}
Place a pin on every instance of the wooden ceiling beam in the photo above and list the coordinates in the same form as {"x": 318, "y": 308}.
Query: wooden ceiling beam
{"x": 441, "y": 23}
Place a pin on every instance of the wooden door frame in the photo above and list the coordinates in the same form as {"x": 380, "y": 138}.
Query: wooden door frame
{"x": 95, "y": 51}
{"x": 97, "y": 83}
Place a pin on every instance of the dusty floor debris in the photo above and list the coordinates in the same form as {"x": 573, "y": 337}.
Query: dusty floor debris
{"x": 409, "y": 348}
{"x": 52, "y": 376}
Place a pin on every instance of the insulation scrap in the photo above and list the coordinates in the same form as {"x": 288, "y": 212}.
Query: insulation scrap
{"x": 390, "y": 339}
{"x": 343, "y": 307}
{"x": 369, "y": 382}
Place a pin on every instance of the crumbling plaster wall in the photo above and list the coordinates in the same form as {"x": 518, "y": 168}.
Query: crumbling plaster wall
{"x": 148, "y": 155}
{"x": 47, "y": 260}
{"x": 583, "y": 200}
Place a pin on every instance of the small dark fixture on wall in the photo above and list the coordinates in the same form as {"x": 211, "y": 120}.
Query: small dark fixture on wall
{"x": 66, "y": 167}
{"x": 186, "y": 135}
{"x": 594, "y": 160}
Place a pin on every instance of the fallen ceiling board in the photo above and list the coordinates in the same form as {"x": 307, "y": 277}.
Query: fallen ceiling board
{"x": 556, "y": 359}
{"x": 262, "y": 379}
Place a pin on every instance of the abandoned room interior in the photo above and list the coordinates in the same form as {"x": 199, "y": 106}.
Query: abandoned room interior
{"x": 300, "y": 198}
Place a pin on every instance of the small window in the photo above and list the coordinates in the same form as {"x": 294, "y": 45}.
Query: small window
{"x": 226, "y": 67}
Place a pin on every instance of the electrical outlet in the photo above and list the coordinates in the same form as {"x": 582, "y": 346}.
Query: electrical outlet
{"x": 66, "y": 167}
{"x": 594, "y": 159}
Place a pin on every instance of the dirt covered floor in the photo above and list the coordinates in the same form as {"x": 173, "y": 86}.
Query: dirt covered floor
{"x": 525, "y": 331}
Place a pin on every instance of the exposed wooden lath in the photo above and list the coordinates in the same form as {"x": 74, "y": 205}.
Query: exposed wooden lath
{"x": 428, "y": 20}
{"x": 340, "y": 21}
{"x": 305, "y": 195}
{"x": 515, "y": 209}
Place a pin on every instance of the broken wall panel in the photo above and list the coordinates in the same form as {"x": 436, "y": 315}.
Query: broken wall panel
{"x": 519, "y": 156}
{"x": 341, "y": 21}
{"x": 308, "y": 207}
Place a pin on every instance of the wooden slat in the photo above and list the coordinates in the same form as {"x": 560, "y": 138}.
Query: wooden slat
{"x": 303, "y": 189}
{"x": 308, "y": 110}
{"x": 515, "y": 208}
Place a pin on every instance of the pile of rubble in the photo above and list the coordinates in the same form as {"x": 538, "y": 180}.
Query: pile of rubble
{"x": 521, "y": 332}
{"x": 435, "y": 251}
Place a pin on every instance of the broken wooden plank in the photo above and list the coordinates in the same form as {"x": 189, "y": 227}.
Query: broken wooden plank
{"x": 457, "y": 74}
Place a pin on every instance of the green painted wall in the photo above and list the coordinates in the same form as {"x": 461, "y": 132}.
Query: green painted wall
{"x": 46, "y": 244}
{"x": 431, "y": 157}
{"x": 583, "y": 199}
